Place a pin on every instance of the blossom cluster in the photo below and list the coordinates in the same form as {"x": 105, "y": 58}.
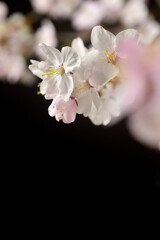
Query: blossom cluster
{"x": 85, "y": 81}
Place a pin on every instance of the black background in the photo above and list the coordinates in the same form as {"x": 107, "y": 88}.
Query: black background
{"x": 41, "y": 156}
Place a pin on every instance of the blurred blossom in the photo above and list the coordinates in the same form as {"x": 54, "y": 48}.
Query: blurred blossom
{"x": 54, "y": 8}
{"x": 87, "y": 15}
{"x": 3, "y": 10}
{"x": 135, "y": 12}
{"x": 111, "y": 10}
{"x": 143, "y": 67}
{"x": 144, "y": 125}
{"x": 46, "y": 33}
{"x": 41, "y": 6}
{"x": 63, "y": 8}
{"x": 16, "y": 42}
{"x": 19, "y": 37}
{"x": 12, "y": 66}
{"x": 149, "y": 30}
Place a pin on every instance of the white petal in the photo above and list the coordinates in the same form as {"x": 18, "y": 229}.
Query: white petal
{"x": 66, "y": 86}
{"x": 53, "y": 87}
{"x": 34, "y": 69}
{"x": 53, "y": 54}
{"x": 100, "y": 117}
{"x": 79, "y": 75}
{"x": 70, "y": 113}
{"x": 43, "y": 87}
{"x": 78, "y": 47}
{"x": 95, "y": 98}
{"x": 101, "y": 39}
{"x": 102, "y": 73}
{"x": 91, "y": 57}
{"x": 84, "y": 104}
{"x": 125, "y": 37}
{"x": 51, "y": 109}
{"x": 106, "y": 119}
{"x": 70, "y": 59}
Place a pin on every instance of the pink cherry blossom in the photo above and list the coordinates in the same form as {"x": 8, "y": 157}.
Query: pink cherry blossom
{"x": 62, "y": 110}
{"x": 56, "y": 71}
{"x": 143, "y": 67}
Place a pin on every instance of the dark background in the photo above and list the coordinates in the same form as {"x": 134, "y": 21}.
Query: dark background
{"x": 40, "y": 155}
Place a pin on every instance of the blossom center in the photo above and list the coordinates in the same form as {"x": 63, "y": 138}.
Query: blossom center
{"x": 79, "y": 88}
{"x": 111, "y": 57}
{"x": 54, "y": 71}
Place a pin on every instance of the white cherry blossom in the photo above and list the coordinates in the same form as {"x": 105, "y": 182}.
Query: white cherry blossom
{"x": 109, "y": 44}
{"x": 56, "y": 71}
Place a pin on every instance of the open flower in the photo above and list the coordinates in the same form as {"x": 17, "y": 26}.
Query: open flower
{"x": 79, "y": 47}
{"x": 110, "y": 45}
{"x": 63, "y": 110}
{"x": 56, "y": 71}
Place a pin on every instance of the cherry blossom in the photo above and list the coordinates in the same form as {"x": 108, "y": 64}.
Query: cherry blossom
{"x": 56, "y": 71}
{"x": 63, "y": 110}
{"x": 109, "y": 44}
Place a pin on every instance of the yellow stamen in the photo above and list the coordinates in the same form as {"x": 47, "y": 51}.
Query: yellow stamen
{"x": 111, "y": 57}
{"x": 56, "y": 71}
{"x": 79, "y": 88}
